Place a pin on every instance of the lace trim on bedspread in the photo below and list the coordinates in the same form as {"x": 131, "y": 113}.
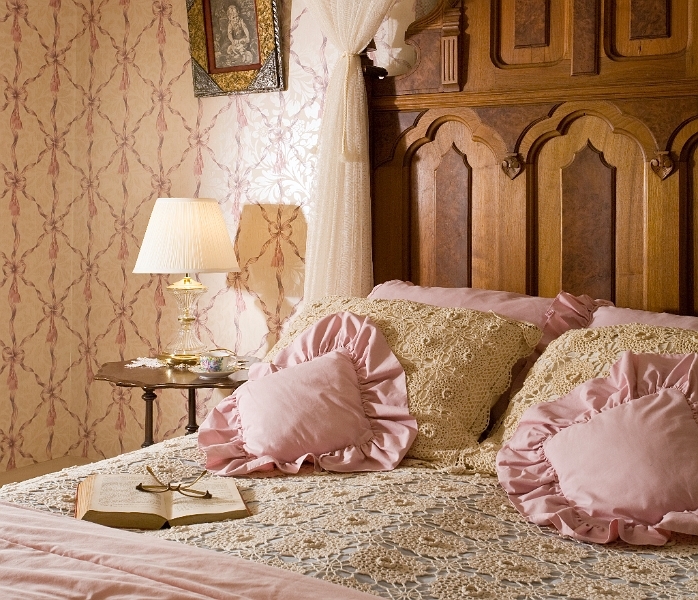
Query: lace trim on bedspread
{"x": 411, "y": 534}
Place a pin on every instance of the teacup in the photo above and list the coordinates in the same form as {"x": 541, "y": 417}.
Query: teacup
{"x": 216, "y": 360}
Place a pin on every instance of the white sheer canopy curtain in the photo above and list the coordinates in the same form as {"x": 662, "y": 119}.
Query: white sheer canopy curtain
{"x": 338, "y": 253}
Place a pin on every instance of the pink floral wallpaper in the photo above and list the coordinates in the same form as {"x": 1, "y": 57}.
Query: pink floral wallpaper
{"x": 97, "y": 120}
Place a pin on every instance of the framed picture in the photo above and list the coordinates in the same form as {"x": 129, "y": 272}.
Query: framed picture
{"x": 235, "y": 46}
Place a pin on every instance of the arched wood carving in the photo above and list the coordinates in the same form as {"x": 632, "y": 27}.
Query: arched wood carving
{"x": 560, "y": 184}
{"x": 437, "y": 225}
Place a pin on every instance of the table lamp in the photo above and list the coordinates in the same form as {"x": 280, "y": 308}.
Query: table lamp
{"x": 186, "y": 235}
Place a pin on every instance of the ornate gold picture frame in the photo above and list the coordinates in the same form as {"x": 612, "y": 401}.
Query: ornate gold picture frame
{"x": 235, "y": 46}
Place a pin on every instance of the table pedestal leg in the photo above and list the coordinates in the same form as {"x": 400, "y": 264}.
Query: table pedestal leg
{"x": 149, "y": 395}
{"x": 192, "y": 427}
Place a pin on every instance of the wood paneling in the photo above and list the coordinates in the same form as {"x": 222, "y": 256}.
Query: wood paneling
{"x": 585, "y": 44}
{"x": 588, "y": 225}
{"x": 534, "y": 180}
{"x": 690, "y": 176}
{"x": 626, "y": 157}
{"x": 548, "y": 23}
{"x": 453, "y": 190}
{"x": 629, "y": 18}
{"x": 510, "y": 121}
{"x": 445, "y": 173}
{"x": 649, "y": 19}
{"x": 531, "y": 23}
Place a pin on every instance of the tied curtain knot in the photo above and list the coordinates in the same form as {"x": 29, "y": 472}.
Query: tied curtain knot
{"x": 345, "y": 117}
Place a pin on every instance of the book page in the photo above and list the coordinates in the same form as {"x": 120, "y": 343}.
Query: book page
{"x": 118, "y": 493}
{"x": 226, "y": 499}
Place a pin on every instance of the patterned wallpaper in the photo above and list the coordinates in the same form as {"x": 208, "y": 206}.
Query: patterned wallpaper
{"x": 98, "y": 119}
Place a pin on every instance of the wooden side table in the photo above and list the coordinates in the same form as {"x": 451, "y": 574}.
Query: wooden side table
{"x": 166, "y": 377}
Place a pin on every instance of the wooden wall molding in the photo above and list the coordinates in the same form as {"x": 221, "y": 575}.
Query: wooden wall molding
{"x": 507, "y": 97}
{"x": 406, "y": 188}
{"x": 531, "y": 23}
{"x": 528, "y": 32}
{"x": 386, "y": 129}
{"x": 568, "y": 112}
{"x": 681, "y": 141}
{"x": 585, "y": 39}
{"x": 664, "y": 117}
{"x": 588, "y": 169}
{"x": 427, "y": 127}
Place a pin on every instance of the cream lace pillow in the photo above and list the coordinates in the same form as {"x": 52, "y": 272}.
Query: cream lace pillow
{"x": 575, "y": 357}
{"x": 457, "y": 362}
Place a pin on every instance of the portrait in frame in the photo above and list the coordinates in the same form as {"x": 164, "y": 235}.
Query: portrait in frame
{"x": 235, "y": 46}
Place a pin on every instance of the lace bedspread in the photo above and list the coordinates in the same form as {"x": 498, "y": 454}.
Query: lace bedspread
{"x": 411, "y": 534}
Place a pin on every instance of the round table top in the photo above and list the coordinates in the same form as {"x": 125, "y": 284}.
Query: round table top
{"x": 167, "y": 377}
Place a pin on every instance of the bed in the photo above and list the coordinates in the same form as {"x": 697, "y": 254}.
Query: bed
{"x": 409, "y": 533}
{"x": 530, "y": 167}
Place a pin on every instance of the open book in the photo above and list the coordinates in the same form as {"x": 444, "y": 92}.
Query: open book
{"x": 113, "y": 500}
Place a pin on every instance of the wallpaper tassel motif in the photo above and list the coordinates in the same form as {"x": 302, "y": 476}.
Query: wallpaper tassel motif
{"x": 198, "y": 162}
{"x": 159, "y": 296}
{"x": 55, "y": 80}
{"x": 13, "y": 294}
{"x": 15, "y": 182}
{"x": 12, "y": 378}
{"x": 17, "y": 8}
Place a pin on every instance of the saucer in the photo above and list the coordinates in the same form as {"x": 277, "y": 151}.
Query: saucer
{"x": 211, "y": 374}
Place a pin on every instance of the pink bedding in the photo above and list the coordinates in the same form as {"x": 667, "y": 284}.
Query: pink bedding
{"x": 616, "y": 457}
{"x": 45, "y": 556}
{"x": 335, "y": 396}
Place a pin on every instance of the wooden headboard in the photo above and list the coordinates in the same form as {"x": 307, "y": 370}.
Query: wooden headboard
{"x": 539, "y": 145}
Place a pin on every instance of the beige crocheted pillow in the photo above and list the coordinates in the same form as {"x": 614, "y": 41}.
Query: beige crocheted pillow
{"x": 575, "y": 357}
{"x": 457, "y": 362}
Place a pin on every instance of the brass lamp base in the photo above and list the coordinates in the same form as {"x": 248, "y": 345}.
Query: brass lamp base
{"x": 178, "y": 359}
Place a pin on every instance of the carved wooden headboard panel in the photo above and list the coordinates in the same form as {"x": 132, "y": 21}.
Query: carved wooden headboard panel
{"x": 538, "y": 146}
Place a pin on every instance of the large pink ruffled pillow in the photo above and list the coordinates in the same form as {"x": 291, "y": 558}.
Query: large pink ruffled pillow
{"x": 616, "y": 457}
{"x": 336, "y": 396}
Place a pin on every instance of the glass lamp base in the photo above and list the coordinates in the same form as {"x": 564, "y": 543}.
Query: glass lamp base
{"x": 186, "y": 347}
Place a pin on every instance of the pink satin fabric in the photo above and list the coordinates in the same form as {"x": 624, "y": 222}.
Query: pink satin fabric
{"x": 336, "y": 396}
{"x": 616, "y": 457}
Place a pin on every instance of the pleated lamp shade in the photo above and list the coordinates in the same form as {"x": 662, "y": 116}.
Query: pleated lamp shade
{"x": 186, "y": 235}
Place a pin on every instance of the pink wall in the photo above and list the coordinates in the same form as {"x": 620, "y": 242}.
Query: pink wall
{"x": 97, "y": 120}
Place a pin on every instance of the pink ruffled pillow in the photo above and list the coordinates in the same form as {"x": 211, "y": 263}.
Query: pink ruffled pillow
{"x": 337, "y": 396}
{"x": 616, "y": 457}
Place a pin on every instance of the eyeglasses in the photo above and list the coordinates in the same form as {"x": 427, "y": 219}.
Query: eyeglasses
{"x": 174, "y": 486}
